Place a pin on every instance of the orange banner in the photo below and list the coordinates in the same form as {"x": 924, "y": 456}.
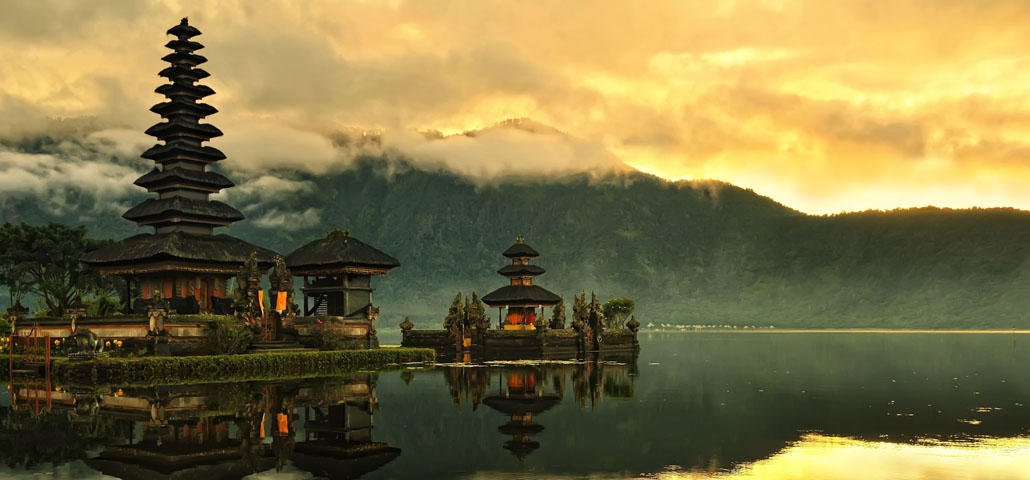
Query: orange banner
{"x": 284, "y": 424}
{"x": 280, "y": 301}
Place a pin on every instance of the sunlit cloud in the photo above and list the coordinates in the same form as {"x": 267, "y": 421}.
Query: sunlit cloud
{"x": 826, "y": 106}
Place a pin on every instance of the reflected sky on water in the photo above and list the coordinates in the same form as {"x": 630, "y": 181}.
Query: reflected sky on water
{"x": 694, "y": 405}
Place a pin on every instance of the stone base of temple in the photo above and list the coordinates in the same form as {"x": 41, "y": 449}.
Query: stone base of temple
{"x": 521, "y": 344}
{"x": 272, "y": 346}
{"x": 180, "y": 335}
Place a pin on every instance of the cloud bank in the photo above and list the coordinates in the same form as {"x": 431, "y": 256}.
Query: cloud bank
{"x": 826, "y": 106}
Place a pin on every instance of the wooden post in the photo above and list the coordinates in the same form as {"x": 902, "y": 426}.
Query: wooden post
{"x": 345, "y": 283}
{"x": 46, "y": 368}
{"x": 305, "y": 312}
{"x": 10, "y": 361}
{"x": 128, "y": 294}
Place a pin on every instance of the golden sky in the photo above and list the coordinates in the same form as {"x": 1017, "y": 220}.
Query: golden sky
{"x": 825, "y": 106}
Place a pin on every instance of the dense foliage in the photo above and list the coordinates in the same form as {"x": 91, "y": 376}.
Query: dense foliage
{"x": 328, "y": 336}
{"x": 229, "y": 335}
{"x": 617, "y": 311}
{"x": 45, "y": 260}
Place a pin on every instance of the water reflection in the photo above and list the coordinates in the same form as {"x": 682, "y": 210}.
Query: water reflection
{"x": 692, "y": 406}
{"x": 323, "y": 427}
{"x": 525, "y": 390}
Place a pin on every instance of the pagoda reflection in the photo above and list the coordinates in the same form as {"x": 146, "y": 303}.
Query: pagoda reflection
{"x": 526, "y": 391}
{"x": 521, "y": 398}
{"x": 203, "y": 432}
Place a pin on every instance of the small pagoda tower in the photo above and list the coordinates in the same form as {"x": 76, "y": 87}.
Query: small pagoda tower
{"x": 183, "y": 257}
{"x": 337, "y": 272}
{"x": 520, "y": 297}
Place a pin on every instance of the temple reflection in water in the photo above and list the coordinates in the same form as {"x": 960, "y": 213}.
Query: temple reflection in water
{"x": 526, "y": 390}
{"x": 201, "y": 432}
{"x": 950, "y": 406}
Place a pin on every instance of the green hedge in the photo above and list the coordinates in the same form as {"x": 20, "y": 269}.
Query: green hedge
{"x": 226, "y": 368}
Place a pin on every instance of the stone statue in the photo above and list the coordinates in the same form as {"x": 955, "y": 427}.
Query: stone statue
{"x": 371, "y": 314}
{"x": 596, "y": 321}
{"x": 248, "y": 282}
{"x": 540, "y": 324}
{"x": 281, "y": 280}
{"x": 87, "y": 345}
{"x": 633, "y": 325}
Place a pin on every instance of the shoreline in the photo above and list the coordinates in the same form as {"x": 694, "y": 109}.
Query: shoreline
{"x": 841, "y": 330}
{"x": 185, "y": 370}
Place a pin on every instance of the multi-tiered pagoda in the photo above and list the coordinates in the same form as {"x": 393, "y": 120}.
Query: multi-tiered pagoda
{"x": 183, "y": 257}
{"x": 520, "y": 296}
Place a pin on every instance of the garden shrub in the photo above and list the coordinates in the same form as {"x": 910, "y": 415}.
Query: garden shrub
{"x": 328, "y": 336}
{"x": 229, "y": 336}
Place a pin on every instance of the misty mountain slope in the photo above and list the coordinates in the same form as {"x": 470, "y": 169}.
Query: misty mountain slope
{"x": 906, "y": 268}
{"x": 604, "y": 234}
{"x": 702, "y": 252}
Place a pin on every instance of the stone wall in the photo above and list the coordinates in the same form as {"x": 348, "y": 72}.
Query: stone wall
{"x": 519, "y": 344}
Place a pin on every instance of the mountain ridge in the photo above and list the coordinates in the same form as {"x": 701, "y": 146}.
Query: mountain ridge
{"x": 692, "y": 252}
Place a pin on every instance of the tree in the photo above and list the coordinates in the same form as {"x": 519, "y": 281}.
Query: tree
{"x": 476, "y": 312}
{"x": 12, "y": 261}
{"x": 101, "y": 303}
{"x": 617, "y": 311}
{"x": 558, "y": 315}
{"x": 455, "y": 315}
{"x": 45, "y": 260}
{"x": 580, "y": 314}
{"x": 594, "y": 314}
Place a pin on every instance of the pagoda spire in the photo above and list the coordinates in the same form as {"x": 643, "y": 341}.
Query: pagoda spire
{"x": 180, "y": 177}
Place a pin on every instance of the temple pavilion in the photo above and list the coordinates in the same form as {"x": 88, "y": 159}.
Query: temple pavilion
{"x": 337, "y": 272}
{"x": 183, "y": 257}
{"x": 520, "y": 297}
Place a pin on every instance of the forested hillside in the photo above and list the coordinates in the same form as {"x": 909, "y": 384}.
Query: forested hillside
{"x": 688, "y": 252}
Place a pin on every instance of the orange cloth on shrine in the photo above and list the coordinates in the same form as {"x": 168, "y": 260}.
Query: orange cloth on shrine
{"x": 284, "y": 423}
{"x": 261, "y": 300}
{"x": 262, "y": 425}
{"x": 280, "y": 301}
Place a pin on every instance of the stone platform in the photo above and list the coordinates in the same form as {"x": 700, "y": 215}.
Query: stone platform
{"x": 521, "y": 344}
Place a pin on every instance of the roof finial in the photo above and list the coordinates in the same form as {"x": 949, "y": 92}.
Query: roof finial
{"x": 520, "y": 239}
{"x": 185, "y": 21}
{"x": 337, "y": 233}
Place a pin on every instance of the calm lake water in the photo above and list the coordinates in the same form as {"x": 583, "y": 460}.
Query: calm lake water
{"x": 696, "y": 405}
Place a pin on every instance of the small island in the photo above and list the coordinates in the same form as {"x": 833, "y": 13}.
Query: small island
{"x": 524, "y": 332}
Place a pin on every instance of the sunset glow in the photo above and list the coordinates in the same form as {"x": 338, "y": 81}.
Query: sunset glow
{"x": 824, "y": 106}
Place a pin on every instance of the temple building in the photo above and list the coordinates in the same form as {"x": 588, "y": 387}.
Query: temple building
{"x": 520, "y": 297}
{"x": 337, "y": 272}
{"x": 183, "y": 257}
